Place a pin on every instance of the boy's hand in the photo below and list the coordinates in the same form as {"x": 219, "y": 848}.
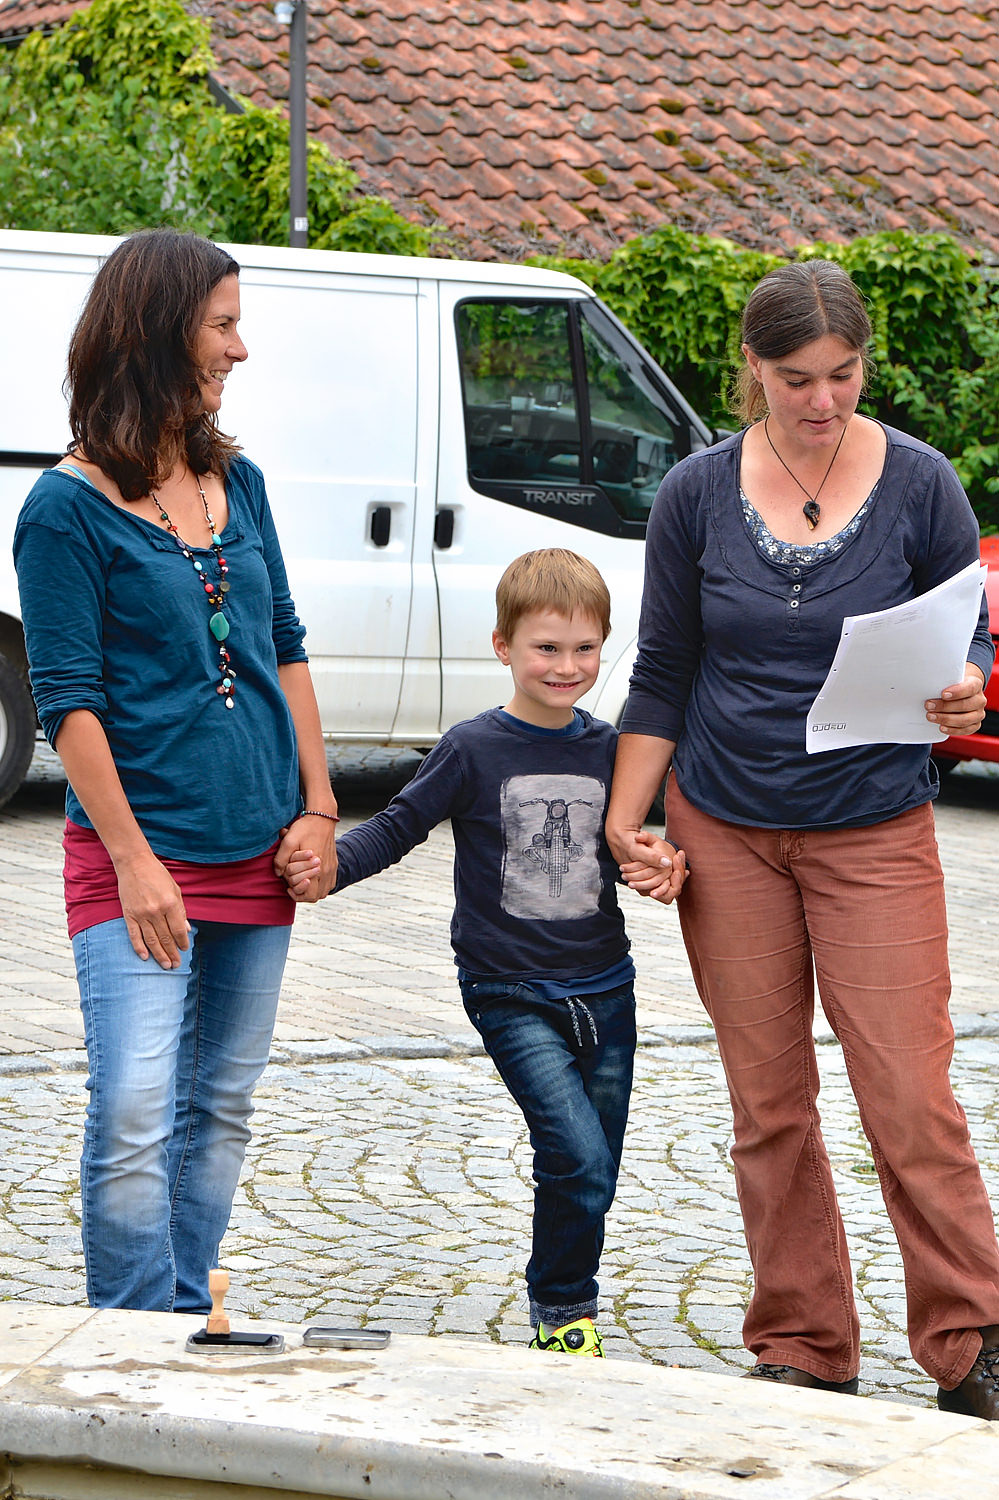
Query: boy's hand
{"x": 309, "y": 871}
{"x": 302, "y": 868}
{"x": 659, "y": 871}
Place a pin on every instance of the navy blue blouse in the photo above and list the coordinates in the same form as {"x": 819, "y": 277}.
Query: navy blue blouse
{"x": 735, "y": 641}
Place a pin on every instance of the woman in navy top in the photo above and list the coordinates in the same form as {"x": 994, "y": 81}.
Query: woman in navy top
{"x": 169, "y": 673}
{"x": 813, "y": 865}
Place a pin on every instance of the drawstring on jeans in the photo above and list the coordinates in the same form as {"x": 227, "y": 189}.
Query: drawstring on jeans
{"x": 573, "y": 1002}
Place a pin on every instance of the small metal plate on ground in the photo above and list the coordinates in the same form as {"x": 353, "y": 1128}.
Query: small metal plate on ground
{"x": 234, "y": 1343}
{"x": 320, "y": 1337}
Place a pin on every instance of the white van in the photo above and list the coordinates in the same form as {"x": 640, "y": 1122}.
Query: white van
{"x": 419, "y": 423}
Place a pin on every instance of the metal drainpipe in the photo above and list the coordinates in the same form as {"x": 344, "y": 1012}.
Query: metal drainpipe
{"x": 293, "y": 13}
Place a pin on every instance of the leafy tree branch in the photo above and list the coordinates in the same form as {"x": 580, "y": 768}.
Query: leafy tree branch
{"x": 108, "y": 125}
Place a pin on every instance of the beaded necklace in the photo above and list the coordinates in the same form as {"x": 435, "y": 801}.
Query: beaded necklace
{"x": 217, "y": 624}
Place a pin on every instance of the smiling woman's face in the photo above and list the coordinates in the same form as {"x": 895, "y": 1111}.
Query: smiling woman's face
{"x": 218, "y": 346}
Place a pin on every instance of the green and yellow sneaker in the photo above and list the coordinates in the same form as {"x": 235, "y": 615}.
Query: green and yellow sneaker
{"x": 579, "y": 1337}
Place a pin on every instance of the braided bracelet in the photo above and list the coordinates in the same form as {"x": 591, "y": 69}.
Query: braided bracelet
{"x": 311, "y": 812}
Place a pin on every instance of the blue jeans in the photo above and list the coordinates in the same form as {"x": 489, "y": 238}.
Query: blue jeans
{"x": 174, "y": 1057}
{"x": 568, "y": 1064}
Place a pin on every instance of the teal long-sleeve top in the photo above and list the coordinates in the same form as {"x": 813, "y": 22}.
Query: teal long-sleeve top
{"x": 116, "y": 622}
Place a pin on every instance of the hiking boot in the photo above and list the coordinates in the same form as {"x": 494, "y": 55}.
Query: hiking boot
{"x": 978, "y": 1393}
{"x": 788, "y": 1375}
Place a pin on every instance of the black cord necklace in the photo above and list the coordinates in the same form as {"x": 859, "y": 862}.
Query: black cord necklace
{"x": 811, "y": 510}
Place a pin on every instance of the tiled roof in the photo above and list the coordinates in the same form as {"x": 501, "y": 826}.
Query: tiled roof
{"x": 529, "y": 124}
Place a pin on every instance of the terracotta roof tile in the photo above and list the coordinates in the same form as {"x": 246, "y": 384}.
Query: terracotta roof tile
{"x": 769, "y": 122}
{"x": 989, "y": 213}
{"x": 968, "y": 135}
{"x": 981, "y": 167}
{"x": 559, "y": 214}
{"x": 17, "y": 17}
{"x": 956, "y": 191}
{"x": 567, "y": 66}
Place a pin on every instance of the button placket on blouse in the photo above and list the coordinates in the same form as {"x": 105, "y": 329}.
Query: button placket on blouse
{"x": 794, "y": 602}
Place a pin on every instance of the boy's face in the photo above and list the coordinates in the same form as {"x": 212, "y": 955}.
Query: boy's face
{"x": 554, "y": 661}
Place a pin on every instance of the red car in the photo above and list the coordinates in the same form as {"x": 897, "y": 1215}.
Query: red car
{"x": 985, "y": 744}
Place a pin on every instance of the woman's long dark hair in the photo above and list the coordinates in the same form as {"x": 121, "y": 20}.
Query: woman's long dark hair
{"x": 136, "y": 404}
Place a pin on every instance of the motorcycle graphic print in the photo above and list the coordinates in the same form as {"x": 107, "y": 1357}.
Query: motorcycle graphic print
{"x": 551, "y": 830}
{"x": 553, "y": 847}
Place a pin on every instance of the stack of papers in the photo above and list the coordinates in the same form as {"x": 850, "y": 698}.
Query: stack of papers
{"x": 889, "y": 663}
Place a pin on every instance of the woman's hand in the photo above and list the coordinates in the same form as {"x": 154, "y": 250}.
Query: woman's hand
{"x": 960, "y": 708}
{"x": 306, "y": 858}
{"x": 151, "y": 902}
{"x": 153, "y": 908}
{"x": 657, "y": 868}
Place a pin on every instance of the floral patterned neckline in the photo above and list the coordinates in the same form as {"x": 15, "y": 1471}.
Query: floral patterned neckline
{"x": 799, "y": 553}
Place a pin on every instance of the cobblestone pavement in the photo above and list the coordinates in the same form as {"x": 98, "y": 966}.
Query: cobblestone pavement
{"x": 389, "y": 1177}
{"x": 396, "y": 1192}
{"x": 372, "y": 968}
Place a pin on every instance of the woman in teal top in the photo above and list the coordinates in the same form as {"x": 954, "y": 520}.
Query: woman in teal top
{"x": 169, "y": 672}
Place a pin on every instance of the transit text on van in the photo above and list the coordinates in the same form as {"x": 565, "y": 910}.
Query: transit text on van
{"x": 559, "y": 497}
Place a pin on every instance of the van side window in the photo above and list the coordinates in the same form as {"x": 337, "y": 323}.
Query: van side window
{"x": 634, "y": 439}
{"x": 521, "y": 421}
{"x": 564, "y": 415}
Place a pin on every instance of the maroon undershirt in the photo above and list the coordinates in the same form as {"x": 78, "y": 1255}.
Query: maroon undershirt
{"x": 244, "y": 891}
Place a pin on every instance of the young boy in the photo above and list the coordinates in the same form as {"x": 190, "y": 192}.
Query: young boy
{"x": 542, "y": 955}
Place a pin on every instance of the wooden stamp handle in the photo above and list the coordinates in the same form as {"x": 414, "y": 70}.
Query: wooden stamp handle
{"x": 218, "y": 1285}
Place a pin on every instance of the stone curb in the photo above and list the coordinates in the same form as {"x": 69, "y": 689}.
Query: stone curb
{"x": 110, "y": 1404}
{"x": 287, "y": 1054}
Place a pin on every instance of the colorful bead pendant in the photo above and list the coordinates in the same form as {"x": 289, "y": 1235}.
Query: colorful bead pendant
{"x": 216, "y": 592}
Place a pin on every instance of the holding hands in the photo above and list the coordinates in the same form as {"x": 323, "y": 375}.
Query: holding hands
{"x": 306, "y": 857}
{"x": 655, "y": 868}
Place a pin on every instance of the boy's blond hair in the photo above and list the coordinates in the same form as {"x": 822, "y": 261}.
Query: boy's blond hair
{"x": 551, "y": 578}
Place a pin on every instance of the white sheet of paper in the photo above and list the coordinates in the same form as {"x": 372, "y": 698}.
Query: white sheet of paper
{"x": 887, "y": 664}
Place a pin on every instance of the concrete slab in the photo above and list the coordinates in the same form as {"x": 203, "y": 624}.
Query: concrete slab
{"x": 31, "y": 1332}
{"x": 426, "y": 1419}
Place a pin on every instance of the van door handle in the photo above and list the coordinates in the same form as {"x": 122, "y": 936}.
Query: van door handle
{"x": 381, "y": 525}
{"x": 444, "y": 528}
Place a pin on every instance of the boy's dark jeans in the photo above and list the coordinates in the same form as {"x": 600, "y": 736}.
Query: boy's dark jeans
{"x": 568, "y": 1064}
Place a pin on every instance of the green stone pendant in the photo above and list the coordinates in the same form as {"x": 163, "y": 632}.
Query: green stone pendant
{"x": 219, "y": 625}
